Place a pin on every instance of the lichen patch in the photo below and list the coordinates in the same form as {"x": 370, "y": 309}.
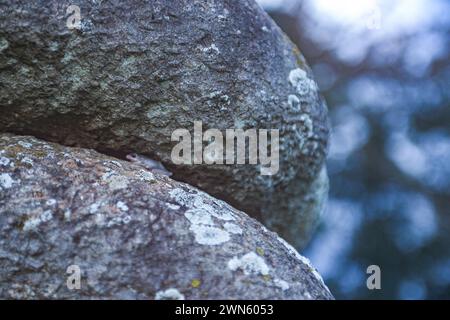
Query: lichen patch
{"x": 297, "y": 75}
{"x": 199, "y": 216}
{"x": 169, "y": 294}
{"x": 250, "y": 264}
{"x": 283, "y": 285}
{"x": 294, "y": 102}
{"x": 145, "y": 175}
{"x": 6, "y": 181}
{"x": 205, "y": 217}
{"x": 232, "y": 228}
{"x": 115, "y": 182}
{"x": 304, "y": 86}
{"x": 24, "y": 144}
{"x": 207, "y": 235}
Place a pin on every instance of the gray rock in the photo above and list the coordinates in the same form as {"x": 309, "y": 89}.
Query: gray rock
{"x": 132, "y": 234}
{"x": 132, "y": 72}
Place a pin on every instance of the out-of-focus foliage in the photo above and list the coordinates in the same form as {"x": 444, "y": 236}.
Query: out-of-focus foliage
{"x": 384, "y": 68}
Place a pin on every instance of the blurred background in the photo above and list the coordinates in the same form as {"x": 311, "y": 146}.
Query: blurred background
{"x": 384, "y": 69}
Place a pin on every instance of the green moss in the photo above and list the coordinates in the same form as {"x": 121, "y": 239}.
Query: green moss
{"x": 13, "y": 151}
{"x": 260, "y": 251}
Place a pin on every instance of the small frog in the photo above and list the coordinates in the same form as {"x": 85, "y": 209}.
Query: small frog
{"x": 149, "y": 164}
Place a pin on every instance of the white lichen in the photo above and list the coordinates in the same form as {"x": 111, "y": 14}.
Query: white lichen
{"x": 68, "y": 56}
{"x": 199, "y": 216}
{"x": 4, "y": 44}
{"x": 204, "y": 213}
{"x": 232, "y": 228}
{"x": 115, "y": 182}
{"x": 100, "y": 219}
{"x": 27, "y": 160}
{"x": 116, "y": 163}
{"x": 67, "y": 215}
{"x": 50, "y": 202}
{"x": 214, "y": 94}
{"x": 225, "y": 98}
{"x": 307, "y": 125}
{"x": 145, "y": 175}
{"x": 207, "y": 235}
{"x": 19, "y": 291}
{"x": 122, "y": 206}
{"x": 294, "y": 102}
{"x": 169, "y": 294}
{"x": 201, "y": 200}
{"x": 93, "y": 208}
{"x": 304, "y": 86}
{"x": 223, "y": 215}
{"x": 34, "y": 222}
{"x": 296, "y": 76}
{"x": 180, "y": 196}
{"x": 308, "y": 296}
{"x": 24, "y": 144}
{"x": 173, "y": 206}
{"x": 283, "y": 285}
{"x": 122, "y": 219}
{"x": 6, "y": 181}
{"x": 126, "y": 219}
{"x": 107, "y": 175}
{"x": 211, "y": 48}
{"x": 46, "y": 216}
{"x": 250, "y": 264}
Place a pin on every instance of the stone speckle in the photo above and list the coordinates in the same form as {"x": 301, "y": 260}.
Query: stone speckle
{"x": 33, "y": 222}
{"x": 122, "y": 206}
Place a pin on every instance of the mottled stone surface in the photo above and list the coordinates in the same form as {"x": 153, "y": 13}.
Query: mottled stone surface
{"x": 134, "y": 71}
{"x": 134, "y": 234}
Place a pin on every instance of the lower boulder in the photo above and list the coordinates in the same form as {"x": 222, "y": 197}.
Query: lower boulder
{"x": 76, "y": 224}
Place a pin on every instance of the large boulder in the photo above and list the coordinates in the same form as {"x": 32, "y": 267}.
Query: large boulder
{"x": 131, "y": 233}
{"x": 132, "y": 72}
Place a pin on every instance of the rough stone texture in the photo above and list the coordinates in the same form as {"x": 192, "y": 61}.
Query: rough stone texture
{"x": 134, "y": 234}
{"x": 137, "y": 70}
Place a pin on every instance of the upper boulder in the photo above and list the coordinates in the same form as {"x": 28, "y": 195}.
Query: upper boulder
{"x": 129, "y": 73}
